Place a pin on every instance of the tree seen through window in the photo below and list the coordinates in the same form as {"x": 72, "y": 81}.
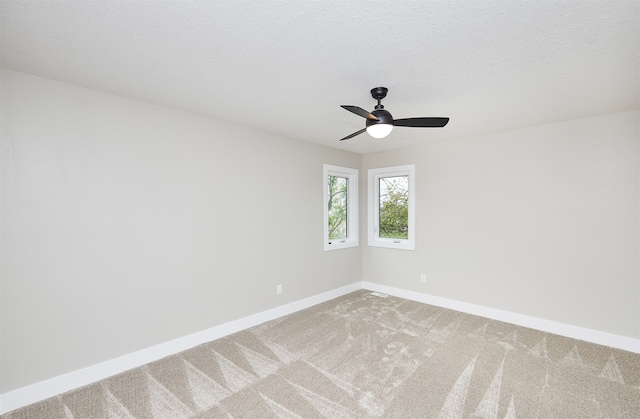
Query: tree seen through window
{"x": 394, "y": 207}
{"x": 337, "y": 207}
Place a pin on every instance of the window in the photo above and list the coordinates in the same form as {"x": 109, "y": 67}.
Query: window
{"x": 392, "y": 207}
{"x": 340, "y": 207}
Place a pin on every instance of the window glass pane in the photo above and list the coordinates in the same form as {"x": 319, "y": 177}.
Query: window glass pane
{"x": 393, "y": 207}
{"x": 337, "y": 206}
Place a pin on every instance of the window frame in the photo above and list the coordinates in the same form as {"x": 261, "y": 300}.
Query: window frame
{"x": 374, "y": 207}
{"x": 352, "y": 207}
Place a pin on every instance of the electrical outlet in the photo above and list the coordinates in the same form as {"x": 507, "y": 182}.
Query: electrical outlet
{"x": 279, "y": 289}
{"x": 423, "y": 278}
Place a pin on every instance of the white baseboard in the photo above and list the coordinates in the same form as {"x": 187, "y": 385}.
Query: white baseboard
{"x": 39, "y": 391}
{"x": 575, "y": 332}
{"x": 43, "y": 390}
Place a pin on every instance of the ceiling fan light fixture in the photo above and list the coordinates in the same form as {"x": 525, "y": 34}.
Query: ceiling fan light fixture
{"x": 381, "y": 127}
{"x": 379, "y": 130}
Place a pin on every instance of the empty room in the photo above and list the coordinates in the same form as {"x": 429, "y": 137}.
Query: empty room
{"x": 319, "y": 209}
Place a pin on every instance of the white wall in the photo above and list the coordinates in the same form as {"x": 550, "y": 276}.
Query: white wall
{"x": 541, "y": 221}
{"x": 125, "y": 225}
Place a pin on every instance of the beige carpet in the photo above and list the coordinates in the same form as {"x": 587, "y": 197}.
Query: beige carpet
{"x": 363, "y": 356}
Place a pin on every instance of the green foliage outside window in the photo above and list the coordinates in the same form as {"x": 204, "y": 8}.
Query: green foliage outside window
{"x": 394, "y": 207}
{"x": 337, "y": 204}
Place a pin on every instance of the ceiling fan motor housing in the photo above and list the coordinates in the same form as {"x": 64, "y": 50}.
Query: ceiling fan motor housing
{"x": 384, "y": 117}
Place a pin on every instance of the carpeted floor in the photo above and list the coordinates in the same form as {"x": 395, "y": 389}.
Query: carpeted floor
{"x": 365, "y": 356}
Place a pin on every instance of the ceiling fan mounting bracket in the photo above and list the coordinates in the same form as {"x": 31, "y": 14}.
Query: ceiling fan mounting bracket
{"x": 379, "y": 93}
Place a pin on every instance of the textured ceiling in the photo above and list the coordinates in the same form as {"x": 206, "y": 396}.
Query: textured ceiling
{"x": 286, "y": 66}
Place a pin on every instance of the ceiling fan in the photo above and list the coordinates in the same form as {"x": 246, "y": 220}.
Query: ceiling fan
{"x": 380, "y": 122}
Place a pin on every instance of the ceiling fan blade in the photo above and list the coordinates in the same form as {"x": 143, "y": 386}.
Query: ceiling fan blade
{"x": 421, "y": 122}
{"x": 354, "y": 134}
{"x": 360, "y": 112}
